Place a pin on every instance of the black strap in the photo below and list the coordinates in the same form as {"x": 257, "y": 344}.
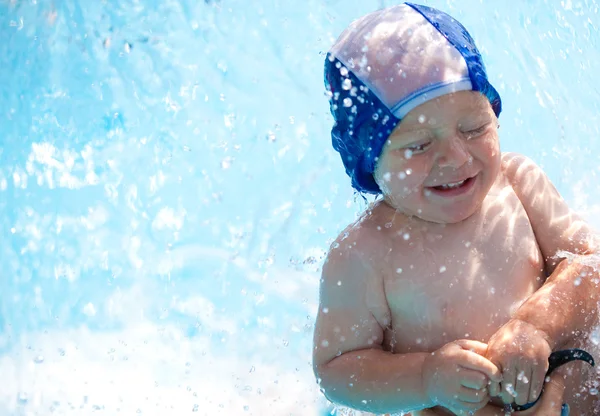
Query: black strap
{"x": 555, "y": 360}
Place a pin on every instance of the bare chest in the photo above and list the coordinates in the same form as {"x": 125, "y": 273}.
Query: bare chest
{"x": 447, "y": 284}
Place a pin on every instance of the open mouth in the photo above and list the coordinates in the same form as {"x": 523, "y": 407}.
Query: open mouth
{"x": 454, "y": 188}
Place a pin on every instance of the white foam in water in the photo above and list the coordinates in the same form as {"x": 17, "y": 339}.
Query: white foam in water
{"x": 152, "y": 369}
{"x": 168, "y": 187}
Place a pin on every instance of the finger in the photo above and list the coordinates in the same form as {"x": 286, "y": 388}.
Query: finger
{"x": 494, "y": 388}
{"x": 473, "y": 395}
{"x": 522, "y": 385}
{"x": 551, "y": 402}
{"x": 472, "y": 379}
{"x": 474, "y": 361}
{"x": 538, "y": 377}
{"x": 472, "y": 345}
{"x": 508, "y": 384}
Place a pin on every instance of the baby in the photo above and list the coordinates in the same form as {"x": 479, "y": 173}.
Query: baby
{"x": 451, "y": 291}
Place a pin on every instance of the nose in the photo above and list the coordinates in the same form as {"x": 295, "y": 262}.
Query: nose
{"x": 453, "y": 153}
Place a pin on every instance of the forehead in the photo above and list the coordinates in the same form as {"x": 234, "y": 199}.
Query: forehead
{"x": 449, "y": 108}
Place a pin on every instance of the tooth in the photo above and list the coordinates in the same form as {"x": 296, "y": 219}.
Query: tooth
{"x": 452, "y": 185}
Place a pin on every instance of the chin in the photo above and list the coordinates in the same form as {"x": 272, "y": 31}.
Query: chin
{"x": 460, "y": 217}
{"x": 447, "y": 215}
{"x": 445, "y": 219}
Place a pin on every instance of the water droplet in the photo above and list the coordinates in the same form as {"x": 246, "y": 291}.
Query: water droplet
{"x": 388, "y": 225}
{"x": 347, "y": 102}
{"x": 344, "y": 71}
{"x": 387, "y": 176}
{"x": 252, "y": 369}
{"x": 286, "y": 343}
{"x": 246, "y": 408}
{"x": 398, "y": 270}
{"x": 408, "y": 154}
{"x": 522, "y": 377}
{"x": 339, "y": 283}
{"x": 226, "y": 163}
{"x": 406, "y": 236}
{"x": 492, "y": 290}
{"x": 346, "y": 84}
{"x": 375, "y": 116}
{"x": 325, "y": 310}
{"x": 510, "y": 389}
{"x": 195, "y": 408}
{"x": 442, "y": 269}
{"x": 593, "y": 391}
{"x": 22, "y": 398}
{"x": 325, "y": 343}
{"x": 577, "y": 281}
{"x": 39, "y": 359}
{"x": 401, "y": 175}
{"x": 422, "y": 119}
{"x": 595, "y": 336}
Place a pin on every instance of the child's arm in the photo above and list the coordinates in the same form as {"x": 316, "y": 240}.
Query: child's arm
{"x": 567, "y": 303}
{"x": 551, "y": 403}
{"x": 570, "y": 287}
{"x": 349, "y": 360}
{"x": 348, "y": 357}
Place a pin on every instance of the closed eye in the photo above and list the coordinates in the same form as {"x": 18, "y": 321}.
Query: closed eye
{"x": 476, "y": 132}
{"x": 418, "y": 148}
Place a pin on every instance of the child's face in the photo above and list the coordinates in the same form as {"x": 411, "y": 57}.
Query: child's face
{"x": 443, "y": 142}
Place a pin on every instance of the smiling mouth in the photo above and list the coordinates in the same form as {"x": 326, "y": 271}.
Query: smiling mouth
{"x": 453, "y": 187}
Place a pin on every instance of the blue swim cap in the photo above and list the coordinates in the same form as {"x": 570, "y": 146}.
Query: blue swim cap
{"x": 388, "y": 63}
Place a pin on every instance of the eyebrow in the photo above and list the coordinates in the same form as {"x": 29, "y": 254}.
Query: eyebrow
{"x": 405, "y": 136}
{"x": 487, "y": 118}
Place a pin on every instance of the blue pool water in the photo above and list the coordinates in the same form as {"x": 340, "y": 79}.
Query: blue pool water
{"x": 168, "y": 188}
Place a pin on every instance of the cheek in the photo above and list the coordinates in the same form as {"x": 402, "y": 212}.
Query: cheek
{"x": 489, "y": 147}
{"x": 405, "y": 175}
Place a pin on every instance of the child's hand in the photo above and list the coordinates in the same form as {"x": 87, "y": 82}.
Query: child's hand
{"x": 521, "y": 352}
{"x": 456, "y": 376}
{"x": 551, "y": 403}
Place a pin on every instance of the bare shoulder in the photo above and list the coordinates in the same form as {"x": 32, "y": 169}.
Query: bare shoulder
{"x": 360, "y": 241}
{"x": 515, "y": 165}
{"x": 352, "y": 259}
{"x": 527, "y": 179}
{"x": 353, "y": 311}
{"x": 556, "y": 226}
